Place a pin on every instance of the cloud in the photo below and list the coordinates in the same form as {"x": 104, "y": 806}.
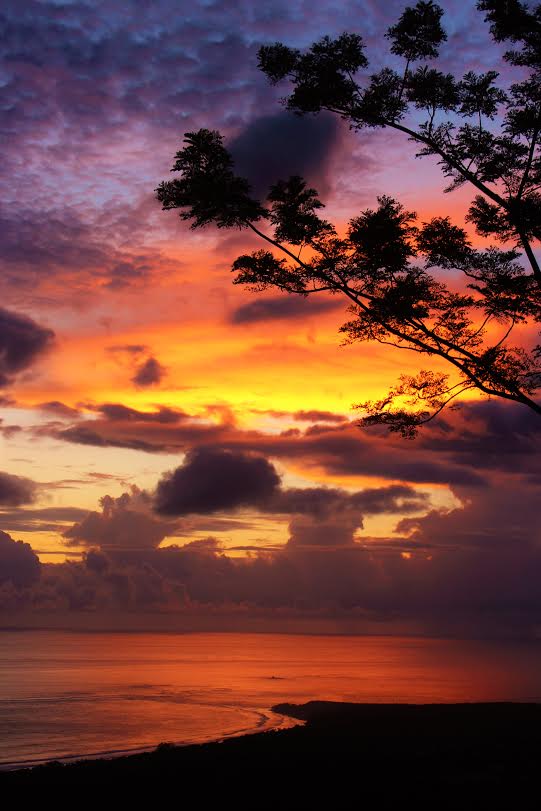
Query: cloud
{"x": 35, "y": 241}
{"x": 19, "y": 564}
{"x": 130, "y": 349}
{"x": 16, "y": 490}
{"x": 337, "y": 530}
{"x": 274, "y": 147}
{"x": 60, "y": 249}
{"x": 146, "y": 371}
{"x": 325, "y": 502}
{"x": 90, "y": 61}
{"x": 83, "y": 435}
{"x": 283, "y": 307}
{"x": 487, "y": 591}
{"x": 489, "y": 434}
{"x": 125, "y": 524}
{"x": 484, "y": 524}
{"x": 121, "y": 413}
{"x": 9, "y": 431}
{"x": 22, "y": 341}
{"x": 330, "y": 518}
{"x": 96, "y": 561}
{"x": 44, "y": 519}
{"x": 59, "y": 409}
{"x": 81, "y": 89}
{"x": 313, "y": 415}
{"x": 213, "y": 480}
{"x": 439, "y": 456}
{"x": 124, "y": 274}
{"x": 149, "y": 373}
{"x": 473, "y": 570}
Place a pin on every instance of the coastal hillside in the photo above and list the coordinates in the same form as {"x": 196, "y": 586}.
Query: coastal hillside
{"x": 445, "y": 756}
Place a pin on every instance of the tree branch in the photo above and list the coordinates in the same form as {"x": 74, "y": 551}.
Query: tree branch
{"x": 531, "y": 152}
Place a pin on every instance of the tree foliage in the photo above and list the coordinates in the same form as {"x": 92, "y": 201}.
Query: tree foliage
{"x": 399, "y": 275}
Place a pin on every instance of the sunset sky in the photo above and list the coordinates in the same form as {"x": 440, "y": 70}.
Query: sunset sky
{"x": 148, "y": 403}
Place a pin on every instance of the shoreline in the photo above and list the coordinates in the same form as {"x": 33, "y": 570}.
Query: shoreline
{"x": 279, "y": 717}
{"x": 268, "y": 720}
{"x": 464, "y": 755}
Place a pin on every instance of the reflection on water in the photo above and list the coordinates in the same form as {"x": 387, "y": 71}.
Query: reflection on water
{"x": 67, "y": 694}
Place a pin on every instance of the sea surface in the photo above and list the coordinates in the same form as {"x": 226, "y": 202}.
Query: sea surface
{"x": 66, "y": 695}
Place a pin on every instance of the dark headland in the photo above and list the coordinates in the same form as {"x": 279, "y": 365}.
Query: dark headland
{"x": 345, "y": 756}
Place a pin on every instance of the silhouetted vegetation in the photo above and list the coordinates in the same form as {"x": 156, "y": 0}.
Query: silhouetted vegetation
{"x": 391, "y": 270}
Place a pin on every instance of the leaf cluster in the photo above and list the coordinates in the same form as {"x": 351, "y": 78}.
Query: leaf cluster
{"x": 208, "y": 190}
{"x": 400, "y": 277}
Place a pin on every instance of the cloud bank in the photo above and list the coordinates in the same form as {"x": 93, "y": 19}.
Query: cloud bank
{"x": 22, "y": 341}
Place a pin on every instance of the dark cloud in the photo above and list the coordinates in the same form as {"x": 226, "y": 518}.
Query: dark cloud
{"x": 330, "y": 518}
{"x": 8, "y": 431}
{"x": 346, "y": 450}
{"x": 22, "y": 341}
{"x": 340, "y": 449}
{"x": 125, "y": 524}
{"x": 150, "y": 373}
{"x": 313, "y": 415}
{"x": 33, "y": 242}
{"x": 90, "y": 45}
{"x": 485, "y": 524}
{"x": 16, "y": 490}
{"x": 76, "y": 85}
{"x": 124, "y": 274}
{"x": 451, "y": 569}
{"x": 489, "y": 588}
{"x": 213, "y": 480}
{"x": 336, "y": 530}
{"x": 80, "y": 435}
{"x": 283, "y": 307}
{"x": 472, "y": 570}
{"x": 99, "y": 583}
{"x": 84, "y": 80}
{"x": 322, "y": 502}
{"x": 274, "y": 147}
{"x": 318, "y": 416}
{"x": 196, "y": 523}
{"x": 96, "y": 68}
{"x": 39, "y": 246}
{"x": 44, "y": 519}
{"x": 19, "y": 564}
{"x": 96, "y": 561}
{"x": 130, "y": 349}
{"x": 83, "y": 435}
{"x": 491, "y": 435}
{"x": 59, "y": 409}
{"x": 121, "y": 413}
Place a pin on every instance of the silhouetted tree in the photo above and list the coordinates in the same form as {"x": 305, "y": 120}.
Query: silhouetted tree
{"x": 390, "y": 269}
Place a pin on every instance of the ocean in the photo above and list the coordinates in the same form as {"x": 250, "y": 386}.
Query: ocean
{"x": 65, "y": 695}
